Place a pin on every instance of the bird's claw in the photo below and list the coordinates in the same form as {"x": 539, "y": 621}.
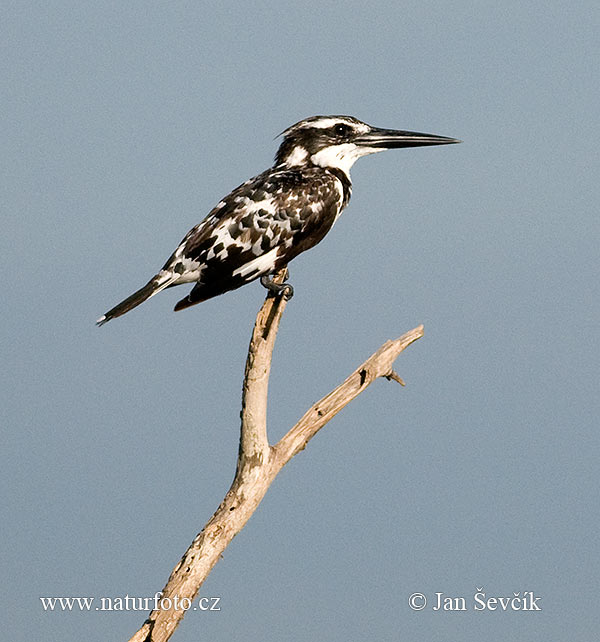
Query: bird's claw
{"x": 277, "y": 289}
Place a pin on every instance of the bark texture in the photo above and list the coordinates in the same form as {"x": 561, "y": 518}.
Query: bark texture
{"x": 258, "y": 461}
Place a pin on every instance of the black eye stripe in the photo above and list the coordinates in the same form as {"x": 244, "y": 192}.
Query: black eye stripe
{"x": 341, "y": 129}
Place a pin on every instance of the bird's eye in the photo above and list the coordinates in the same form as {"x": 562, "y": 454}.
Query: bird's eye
{"x": 342, "y": 130}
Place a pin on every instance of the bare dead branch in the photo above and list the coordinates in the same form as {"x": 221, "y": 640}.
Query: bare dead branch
{"x": 253, "y": 434}
{"x": 377, "y": 365}
{"x": 258, "y": 462}
{"x": 394, "y": 376}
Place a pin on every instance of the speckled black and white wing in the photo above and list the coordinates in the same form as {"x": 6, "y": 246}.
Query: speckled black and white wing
{"x": 258, "y": 228}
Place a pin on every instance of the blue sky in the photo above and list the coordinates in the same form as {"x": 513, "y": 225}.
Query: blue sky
{"x": 123, "y": 124}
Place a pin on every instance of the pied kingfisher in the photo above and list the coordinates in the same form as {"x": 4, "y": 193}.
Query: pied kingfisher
{"x": 271, "y": 218}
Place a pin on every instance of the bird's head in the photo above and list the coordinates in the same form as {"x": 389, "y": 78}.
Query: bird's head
{"x": 338, "y": 141}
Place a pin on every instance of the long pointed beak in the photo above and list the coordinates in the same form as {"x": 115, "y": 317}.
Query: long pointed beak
{"x": 392, "y": 138}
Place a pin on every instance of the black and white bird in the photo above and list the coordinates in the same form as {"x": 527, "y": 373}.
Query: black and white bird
{"x": 271, "y": 218}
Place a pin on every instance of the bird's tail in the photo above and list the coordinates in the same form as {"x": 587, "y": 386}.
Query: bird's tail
{"x": 154, "y": 286}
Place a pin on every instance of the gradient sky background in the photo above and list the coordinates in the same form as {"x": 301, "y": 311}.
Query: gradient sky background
{"x": 123, "y": 124}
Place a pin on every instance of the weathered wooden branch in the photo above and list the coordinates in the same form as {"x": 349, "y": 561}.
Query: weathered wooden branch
{"x": 258, "y": 462}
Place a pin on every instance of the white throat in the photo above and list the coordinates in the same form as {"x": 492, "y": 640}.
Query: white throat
{"x": 342, "y": 156}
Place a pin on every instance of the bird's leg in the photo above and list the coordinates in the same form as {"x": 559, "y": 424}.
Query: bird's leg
{"x": 278, "y": 289}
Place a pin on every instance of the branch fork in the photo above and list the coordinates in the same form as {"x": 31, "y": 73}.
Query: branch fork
{"x": 259, "y": 462}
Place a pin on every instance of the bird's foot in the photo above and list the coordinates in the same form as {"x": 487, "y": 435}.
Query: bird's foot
{"x": 278, "y": 289}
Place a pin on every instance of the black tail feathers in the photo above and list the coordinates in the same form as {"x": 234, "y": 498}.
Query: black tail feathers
{"x": 152, "y": 287}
